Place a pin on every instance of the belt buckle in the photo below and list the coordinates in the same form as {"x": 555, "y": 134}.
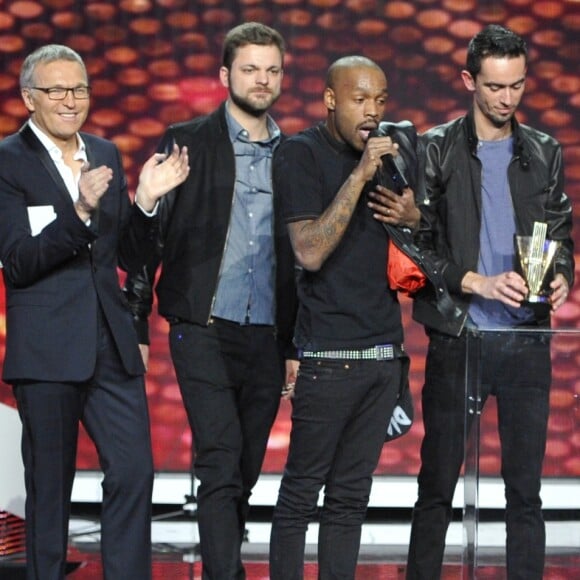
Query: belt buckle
{"x": 384, "y": 352}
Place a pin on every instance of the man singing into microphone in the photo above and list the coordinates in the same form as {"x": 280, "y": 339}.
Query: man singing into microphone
{"x": 348, "y": 329}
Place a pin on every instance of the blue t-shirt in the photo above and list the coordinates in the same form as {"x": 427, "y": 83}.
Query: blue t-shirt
{"x": 496, "y": 237}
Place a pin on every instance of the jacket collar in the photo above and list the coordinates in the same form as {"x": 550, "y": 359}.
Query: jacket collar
{"x": 520, "y": 150}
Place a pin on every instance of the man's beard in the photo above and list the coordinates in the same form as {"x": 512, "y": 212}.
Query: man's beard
{"x": 250, "y": 107}
{"x": 500, "y": 122}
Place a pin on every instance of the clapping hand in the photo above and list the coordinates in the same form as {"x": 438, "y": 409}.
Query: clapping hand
{"x": 160, "y": 174}
{"x": 93, "y": 183}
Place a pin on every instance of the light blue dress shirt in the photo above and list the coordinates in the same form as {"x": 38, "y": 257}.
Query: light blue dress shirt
{"x": 245, "y": 292}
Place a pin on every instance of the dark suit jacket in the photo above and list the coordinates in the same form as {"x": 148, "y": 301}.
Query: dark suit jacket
{"x": 56, "y": 279}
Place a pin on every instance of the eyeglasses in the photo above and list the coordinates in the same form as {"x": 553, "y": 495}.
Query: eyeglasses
{"x": 61, "y": 93}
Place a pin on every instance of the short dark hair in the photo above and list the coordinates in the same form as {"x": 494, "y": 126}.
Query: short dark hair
{"x": 493, "y": 40}
{"x": 250, "y": 33}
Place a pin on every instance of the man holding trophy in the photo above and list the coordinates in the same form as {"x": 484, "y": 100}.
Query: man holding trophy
{"x": 498, "y": 222}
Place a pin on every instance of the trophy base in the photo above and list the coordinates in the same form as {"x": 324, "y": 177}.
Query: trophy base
{"x": 537, "y": 299}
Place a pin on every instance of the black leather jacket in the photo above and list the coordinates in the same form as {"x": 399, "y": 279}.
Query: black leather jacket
{"x": 410, "y": 163}
{"x": 193, "y": 226}
{"x": 451, "y": 212}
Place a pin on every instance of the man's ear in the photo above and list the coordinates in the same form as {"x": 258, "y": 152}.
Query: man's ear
{"x": 27, "y": 98}
{"x": 225, "y": 77}
{"x": 468, "y": 80}
{"x": 329, "y": 99}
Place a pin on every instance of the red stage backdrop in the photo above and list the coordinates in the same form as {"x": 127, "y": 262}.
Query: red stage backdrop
{"x": 152, "y": 63}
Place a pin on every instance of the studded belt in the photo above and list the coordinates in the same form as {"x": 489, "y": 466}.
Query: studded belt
{"x": 379, "y": 352}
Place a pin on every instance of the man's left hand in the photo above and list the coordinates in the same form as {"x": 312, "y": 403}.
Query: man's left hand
{"x": 394, "y": 209}
{"x": 160, "y": 174}
{"x": 560, "y": 291}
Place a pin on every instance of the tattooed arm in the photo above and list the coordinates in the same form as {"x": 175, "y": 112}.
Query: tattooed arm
{"x": 314, "y": 240}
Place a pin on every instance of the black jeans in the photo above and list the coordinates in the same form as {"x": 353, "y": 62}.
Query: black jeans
{"x": 341, "y": 410}
{"x": 230, "y": 377}
{"x": 516, "y": 369}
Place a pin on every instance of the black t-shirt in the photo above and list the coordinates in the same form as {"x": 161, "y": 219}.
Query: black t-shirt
{"x": 347, "y": 304}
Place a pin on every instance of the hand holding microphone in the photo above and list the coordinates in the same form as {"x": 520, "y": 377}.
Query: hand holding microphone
{"x": 389, "y": 174}
{"x": 377, "y": 146}
{"x": 393, "y": 200}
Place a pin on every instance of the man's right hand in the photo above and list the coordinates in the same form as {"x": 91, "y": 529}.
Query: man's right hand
{"x": 370, "y": 161}
{"x": 93, "y": 184}
{"x": 508, "y": 287}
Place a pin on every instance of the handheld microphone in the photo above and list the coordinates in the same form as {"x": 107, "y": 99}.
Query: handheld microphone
{"x": 390, "y": 168}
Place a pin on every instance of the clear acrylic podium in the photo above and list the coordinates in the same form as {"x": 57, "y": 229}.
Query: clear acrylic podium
{"x": 561, "y": 468}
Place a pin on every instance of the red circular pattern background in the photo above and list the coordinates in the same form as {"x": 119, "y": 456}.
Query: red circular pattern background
{"x": 156, "y": 62}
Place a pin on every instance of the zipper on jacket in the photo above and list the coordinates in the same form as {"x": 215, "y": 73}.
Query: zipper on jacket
{"x": 214, "y": 295}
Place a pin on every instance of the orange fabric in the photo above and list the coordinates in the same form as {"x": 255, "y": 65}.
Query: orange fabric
{"x": 402, "y": 273}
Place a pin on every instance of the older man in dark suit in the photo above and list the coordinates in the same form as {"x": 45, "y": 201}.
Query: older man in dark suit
{"x": 66, "y": 223}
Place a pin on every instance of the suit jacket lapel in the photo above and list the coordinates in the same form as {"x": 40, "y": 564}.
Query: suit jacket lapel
{"x": 30, "y": 138}
{"x": 92, "y": 165}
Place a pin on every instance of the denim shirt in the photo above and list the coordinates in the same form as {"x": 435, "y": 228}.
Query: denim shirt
{"x": 245, "y": 292}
